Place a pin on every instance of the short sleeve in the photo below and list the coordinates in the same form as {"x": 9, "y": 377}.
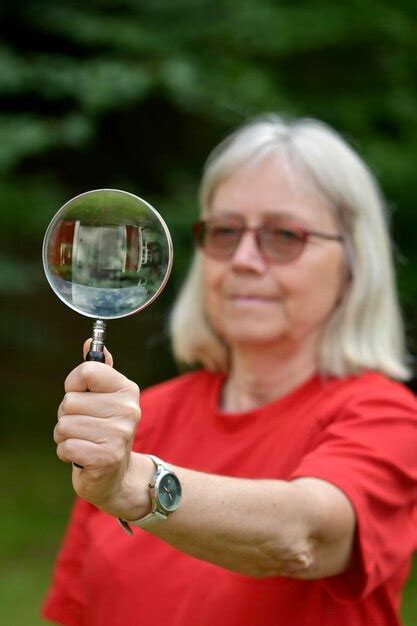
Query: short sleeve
{"x": 369, "y": 451}
{"x": 64, "y": 600}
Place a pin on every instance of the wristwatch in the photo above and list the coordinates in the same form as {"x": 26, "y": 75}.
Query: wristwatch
{"x": 165, "y": 493}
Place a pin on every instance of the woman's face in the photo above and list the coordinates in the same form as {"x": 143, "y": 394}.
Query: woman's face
{"x": 250, "y": 300}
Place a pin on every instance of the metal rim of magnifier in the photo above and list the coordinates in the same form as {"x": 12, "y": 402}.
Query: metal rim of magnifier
{"x": 167, "y": 272}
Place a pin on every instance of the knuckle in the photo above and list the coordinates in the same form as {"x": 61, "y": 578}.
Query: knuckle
{"x": 59, "y": 452}
{"x": 58, "y": 435}
{"x": 133, "y": 389}
{"x": 66, "y": 403}
{"x": 132, "y": 410}
{"x": 62, "y": 427}
{"x": 63, "y": 451}
{"x": 67, "y": 381}
{"x": 129, "y": 404}
{"x": 124, "y": 431}
{"x": 88, "y": 369}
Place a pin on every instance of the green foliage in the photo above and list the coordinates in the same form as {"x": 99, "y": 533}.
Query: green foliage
{"x": 133, "y": 94}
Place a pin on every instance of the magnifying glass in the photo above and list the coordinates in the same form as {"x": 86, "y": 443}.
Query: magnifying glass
{"x": 107, "y": 254}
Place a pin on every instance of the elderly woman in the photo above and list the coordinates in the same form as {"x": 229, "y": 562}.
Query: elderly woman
{"x": 281, "y": 483}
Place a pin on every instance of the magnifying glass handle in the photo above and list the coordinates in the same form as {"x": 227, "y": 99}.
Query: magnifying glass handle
{"x": 96, "y": 352}
{"x": 94, "y": 355}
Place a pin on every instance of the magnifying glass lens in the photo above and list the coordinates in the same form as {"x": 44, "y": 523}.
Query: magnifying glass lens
{"x": 107, "y": 254}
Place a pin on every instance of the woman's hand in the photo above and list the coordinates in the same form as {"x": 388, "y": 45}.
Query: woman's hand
{"x": 97, "y": 420}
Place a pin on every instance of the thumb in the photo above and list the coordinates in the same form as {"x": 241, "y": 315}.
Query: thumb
{"x": 107, "y": 354}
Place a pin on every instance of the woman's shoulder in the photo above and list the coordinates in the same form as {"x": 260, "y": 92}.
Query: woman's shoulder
{"x": 372, "y": 390}
{"x": 374, "y": 383}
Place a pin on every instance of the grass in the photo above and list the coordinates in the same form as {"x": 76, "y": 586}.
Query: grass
{"x": 36, "y": 498}
{"x": 35, "y": 502}
{"x": 409, "y": 605}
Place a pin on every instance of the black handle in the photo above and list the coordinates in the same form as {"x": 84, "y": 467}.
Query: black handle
{"x": 93, "y": 355}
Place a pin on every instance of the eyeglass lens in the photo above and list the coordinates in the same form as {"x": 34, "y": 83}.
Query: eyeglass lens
{"x": 277, "y": 241}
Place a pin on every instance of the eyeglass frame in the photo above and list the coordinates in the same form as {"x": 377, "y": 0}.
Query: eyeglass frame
{"x": 198, "y": 230}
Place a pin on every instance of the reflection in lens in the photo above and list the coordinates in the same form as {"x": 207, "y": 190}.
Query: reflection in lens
{"x": 107, "y": 253}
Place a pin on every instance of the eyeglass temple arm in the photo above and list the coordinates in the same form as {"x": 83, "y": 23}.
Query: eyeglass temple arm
{"x": 313, "y": 233}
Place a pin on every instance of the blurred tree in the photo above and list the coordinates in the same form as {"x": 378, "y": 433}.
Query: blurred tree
{"x": 133, "y": 94}
{"x": 130, "y": 82}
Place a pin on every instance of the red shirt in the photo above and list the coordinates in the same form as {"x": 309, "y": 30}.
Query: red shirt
{"x": 359, "y": 433}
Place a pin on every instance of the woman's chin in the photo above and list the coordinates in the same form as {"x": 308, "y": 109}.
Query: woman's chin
{"x": 252, "y": 336}
{"x": 249, "y": 327}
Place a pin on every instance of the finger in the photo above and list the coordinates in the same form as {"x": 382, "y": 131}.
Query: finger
{"x": 82, "y": 452}
{"x": 94, "y": 430}
{"x": 89, "y": 455}
{"x": 99, "y": 377}
{"x": 98, "y": 404}
{"x": 107, "y": 354}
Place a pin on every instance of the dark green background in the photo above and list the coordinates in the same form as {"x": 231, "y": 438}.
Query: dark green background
{"x": 133, "y": 95}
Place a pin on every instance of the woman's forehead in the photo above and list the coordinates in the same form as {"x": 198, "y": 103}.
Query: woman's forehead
{"x": 264, "y": 188}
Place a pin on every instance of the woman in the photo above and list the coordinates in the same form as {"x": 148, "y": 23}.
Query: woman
{"x": 286, "y": 493}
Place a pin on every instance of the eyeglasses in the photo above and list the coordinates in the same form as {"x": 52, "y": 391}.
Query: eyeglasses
{"x": 279, "y": 240}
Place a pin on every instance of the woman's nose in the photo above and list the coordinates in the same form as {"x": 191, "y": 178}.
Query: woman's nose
{"x": 247, "y": 256}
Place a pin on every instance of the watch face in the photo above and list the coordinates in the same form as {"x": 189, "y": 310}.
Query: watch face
{"x": 169, "y": 492}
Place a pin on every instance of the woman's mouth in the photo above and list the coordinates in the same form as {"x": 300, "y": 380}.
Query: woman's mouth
{"x": 250, "y": 300}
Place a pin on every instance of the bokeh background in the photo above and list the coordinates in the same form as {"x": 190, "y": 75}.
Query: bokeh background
{"x": 133, "y": 95}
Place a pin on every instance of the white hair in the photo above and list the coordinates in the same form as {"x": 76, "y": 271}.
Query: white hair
{"x": 365, "y": 331}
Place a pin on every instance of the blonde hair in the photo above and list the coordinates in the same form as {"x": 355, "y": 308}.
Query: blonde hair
{"x": 365, "y": 331}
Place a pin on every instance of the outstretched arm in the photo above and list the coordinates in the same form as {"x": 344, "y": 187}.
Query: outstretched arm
{"x": 303, "y": 528}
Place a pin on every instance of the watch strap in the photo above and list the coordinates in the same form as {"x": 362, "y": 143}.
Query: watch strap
{"x": 149, "y": 520}
{"x": 154, "y": 516}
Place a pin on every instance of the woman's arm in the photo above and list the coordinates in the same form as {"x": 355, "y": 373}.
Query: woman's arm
{"x": 302, "y": 528}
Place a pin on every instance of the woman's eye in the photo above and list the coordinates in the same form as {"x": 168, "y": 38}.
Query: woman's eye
{"x": 288, "y": 234}
{"x": 222, "y": 231}
{"x": 285, "y": 234}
